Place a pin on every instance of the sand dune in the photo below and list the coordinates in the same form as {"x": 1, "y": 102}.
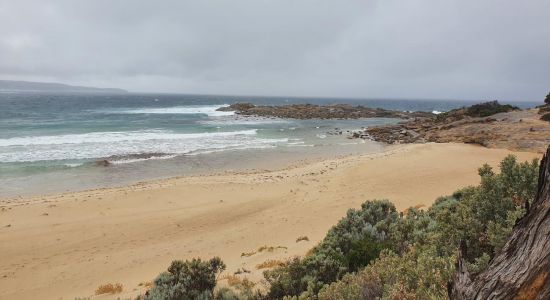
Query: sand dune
{"x": 65, "y": 246}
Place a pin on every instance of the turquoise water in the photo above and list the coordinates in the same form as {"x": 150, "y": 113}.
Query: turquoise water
{"x": 53, "y": 142}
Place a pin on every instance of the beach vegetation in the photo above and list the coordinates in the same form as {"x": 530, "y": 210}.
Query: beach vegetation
{"x": 190, "y": 279}
{"x": 271, "y": 263}
{"x": 488, "y": 109}
{"x": 264, "y": 248}
{"x": 351, "y": 244}
{"x": 375, "y": 252}
{"x": 241, "y": 271}
{"x": 302, "y": 238}
{"x": 109, "y": 288}
{"x": 480, "y": 110}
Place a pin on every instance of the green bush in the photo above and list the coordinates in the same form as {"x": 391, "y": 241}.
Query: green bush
{"x": 417, "y": 274}
{"x": 488, "y": 109}
{"x": 351, "y": 244}
{"x": 376, "y": 253}
{"x": 545, "y": 117}
{"x": 418, "y": 248}
{"x": 483, "y": 216}
{"x": 186, "y": 280}
{"x": 477, "y": 111}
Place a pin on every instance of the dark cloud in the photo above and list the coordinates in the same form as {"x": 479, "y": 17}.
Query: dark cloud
{"x": 463, "y": 49}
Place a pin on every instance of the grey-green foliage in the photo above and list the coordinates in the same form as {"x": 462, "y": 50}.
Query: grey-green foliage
{"x": 351, "y": 244}
{"x": 187, "y": 280}
{"x": 422, "y": 245}
{"x": 374, "y": 253}
{"x": 226, "y": 294}
{"x": 483, "y": 216}
{"x": 418, "y": 273}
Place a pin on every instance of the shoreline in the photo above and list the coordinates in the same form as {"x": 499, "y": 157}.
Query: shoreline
{"x": 217, "y": 164}
{"x": 66, "y": 245}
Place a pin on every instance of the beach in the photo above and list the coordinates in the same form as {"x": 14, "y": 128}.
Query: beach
{"x": 65, "y": 245}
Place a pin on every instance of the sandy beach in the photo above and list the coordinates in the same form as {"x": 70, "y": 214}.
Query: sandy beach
{"x": 65, "y": 246}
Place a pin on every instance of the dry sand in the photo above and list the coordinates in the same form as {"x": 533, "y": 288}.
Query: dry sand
{"x": 65, "y": 246}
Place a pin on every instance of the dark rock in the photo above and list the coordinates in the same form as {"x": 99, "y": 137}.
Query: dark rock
{"x": 103, "y": 163}
{"x": 311, "y": 111}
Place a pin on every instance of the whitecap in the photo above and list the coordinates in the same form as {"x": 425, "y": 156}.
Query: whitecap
{"x": 209, "y": 110}
{"x": 109, "y": 137}
{"x": 100, "y": 145}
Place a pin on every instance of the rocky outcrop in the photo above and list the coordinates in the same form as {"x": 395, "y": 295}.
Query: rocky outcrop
{"x": 522, "y": 269}
{"x": 312, "y": 111}
{"x": 515, "y": 130}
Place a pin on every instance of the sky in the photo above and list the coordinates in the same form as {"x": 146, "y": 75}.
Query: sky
{"x": 439, "y": 49}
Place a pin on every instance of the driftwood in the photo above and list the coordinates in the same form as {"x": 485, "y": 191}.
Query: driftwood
{"x": 521, "y": 270}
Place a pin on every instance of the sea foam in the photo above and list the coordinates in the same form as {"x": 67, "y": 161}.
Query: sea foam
{"x": 107, "y": 144}
{"x": 109, "y": 137}
{"x": 209, "y": 110}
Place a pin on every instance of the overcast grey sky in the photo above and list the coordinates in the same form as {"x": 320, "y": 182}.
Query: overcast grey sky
{"x": 455, "y": 49}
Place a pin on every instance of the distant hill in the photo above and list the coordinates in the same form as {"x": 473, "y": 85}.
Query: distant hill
{"x": 19, "y": 86}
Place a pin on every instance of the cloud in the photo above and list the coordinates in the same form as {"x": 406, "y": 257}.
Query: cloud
{"x": 460, "y": 49}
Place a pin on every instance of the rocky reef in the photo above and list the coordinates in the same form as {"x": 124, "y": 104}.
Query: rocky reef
{"x": 488, "y": 124}
{"x": 312, "y": 111}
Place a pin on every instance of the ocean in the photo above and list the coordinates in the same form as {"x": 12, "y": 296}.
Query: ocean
{"x": 56, "y": 142}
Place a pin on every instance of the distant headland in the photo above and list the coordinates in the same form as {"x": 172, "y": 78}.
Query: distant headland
{"x": 29, "y": 86}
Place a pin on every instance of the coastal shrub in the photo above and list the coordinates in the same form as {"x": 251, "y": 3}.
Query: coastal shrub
{"x": 417, "y": 274}
{"x": 545, "y": 117}
{"x": 377, "y": 253}
{"x": 476, "y": 111}
{"x": 547, "y": 99}
{"x": 543, "y": 109}
{"x": 483, "y": 216}
{"x": 412, "y": 255}
{"x": 488, "y": 109}
{"x": 194, "y": 279}
{"x": 351, "y": 244}
{"x": 226, "y": 294}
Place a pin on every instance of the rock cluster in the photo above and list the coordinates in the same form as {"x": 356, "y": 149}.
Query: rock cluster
{"x": 515, "y": 130}
{"x": 312, "y": 111}
{"x": 394, "y": 134}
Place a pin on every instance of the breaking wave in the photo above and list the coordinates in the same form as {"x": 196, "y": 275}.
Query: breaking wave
{"x": 125, "y": 144}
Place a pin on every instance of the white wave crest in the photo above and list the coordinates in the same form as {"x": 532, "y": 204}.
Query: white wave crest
{"x": 107, "y": 144}
{"x": 209, "y": 110}
{"x": 110, "y": 137}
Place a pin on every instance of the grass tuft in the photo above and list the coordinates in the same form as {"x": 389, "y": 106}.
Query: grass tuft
{"x": 236, "y": 281}
{"x": 109, "y": 288}
{"x": 271, "y": 263}
{"x": 248, "y": 254}
{"x": 148, "y": 284}
{"x": 262, "y": 249}
{"x": 302, "y": 238}
{"x": 270, "y": 248}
